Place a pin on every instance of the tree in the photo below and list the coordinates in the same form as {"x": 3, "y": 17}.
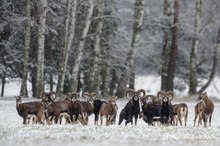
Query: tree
{"x": 138, "y": 19}
{"x": 77, "y": 61}
{"x": 109, "y": 31}
{"x": 214, "y": 64}
{"x": 23, "y": 91}
{"x": 174, "y": 46}
{"x": 42, "y": 11}
{"x": 97, "y": 48}
{"x": 67, "y": 43}
{"x": 193, "y": 63}
{"x": 167, "y": 37}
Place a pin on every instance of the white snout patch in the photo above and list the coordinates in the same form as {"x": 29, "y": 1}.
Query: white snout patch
{"x": 165, "y": 99}
{"x": 136, "y": 98}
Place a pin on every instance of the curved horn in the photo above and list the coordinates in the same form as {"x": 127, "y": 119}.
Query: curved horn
{"x": 160, "y": 92}
{"x": 142, "y": 91}
{"x": 170, "y": 93}
{"x": 127, "y": 92}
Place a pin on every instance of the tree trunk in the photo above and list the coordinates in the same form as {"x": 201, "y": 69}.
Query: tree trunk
{"x": 78, "y": 59}
{"x": 42, "y": 10}
{"x": 96, "y": 67}
{"x": 138, "y": 17}
{"x": 132, "y": 81}
{"x": 50, "y": 59}
{"x": 193, "y": 63}
{"x": 113, "y": 82}
{"x": 214, "y": 64}
{"x": 167, "y": 38}
{"x": 68, "y": 39}
{"x": 174, "y": 47}
{"x": 23, "y": 91}
{"x": 3, "y": 86}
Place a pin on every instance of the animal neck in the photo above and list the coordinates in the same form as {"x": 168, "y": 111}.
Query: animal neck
{"x": 140, "y": 105}
{"x": 17, "y": 107}
{"x": 165, "y": 104}
{"x": 204, "y": 103}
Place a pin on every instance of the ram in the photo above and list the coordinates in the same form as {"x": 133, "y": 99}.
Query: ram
{"x": 166, "y": 112}
{"x": 133, "y": 107}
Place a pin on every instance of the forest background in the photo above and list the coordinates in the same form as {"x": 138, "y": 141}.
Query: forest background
{"x": 104, "y": 45}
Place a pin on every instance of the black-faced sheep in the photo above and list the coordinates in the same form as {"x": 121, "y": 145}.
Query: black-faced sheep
{"x": 133, "y": 107}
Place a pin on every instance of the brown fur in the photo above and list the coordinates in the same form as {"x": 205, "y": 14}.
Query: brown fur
{"x": 25, "y": 110}
{"x": 204, "y": 109}
{"x": 180, "y": 112}
{"x": 108, "y": 110}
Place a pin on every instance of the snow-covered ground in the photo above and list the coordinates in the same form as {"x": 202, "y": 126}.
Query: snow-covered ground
{"x": 13, "y": 132}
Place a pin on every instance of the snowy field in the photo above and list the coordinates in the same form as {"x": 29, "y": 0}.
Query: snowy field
{"x": 13, "y": 132}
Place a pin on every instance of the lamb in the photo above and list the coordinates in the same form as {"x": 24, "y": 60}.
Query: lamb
{"x": 28, "y": 109}
{"x": 109, "y": 110}
{"x": 133, "y": 107}
{"x": 204, "y": 109}
{"x": 180, "y": 113}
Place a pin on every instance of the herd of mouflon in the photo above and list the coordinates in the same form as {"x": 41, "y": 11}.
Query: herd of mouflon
{"x": 152, "y": 109}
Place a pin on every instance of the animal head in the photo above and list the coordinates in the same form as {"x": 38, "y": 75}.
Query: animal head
{"x": 48, "y": 96}
{"x": 90, "y": 97}
{"x": 18, "y": 99}
{"x": 73, "y": 96}
{"x": 203, "y": 96}
{"x": 155, "y": 99}
{"x": 135, "y": 95}
{"x": 112, "y": 100}
{"x": 166, "y": 97}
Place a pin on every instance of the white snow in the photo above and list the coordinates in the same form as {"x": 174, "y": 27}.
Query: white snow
{"x": 13, "y": 132}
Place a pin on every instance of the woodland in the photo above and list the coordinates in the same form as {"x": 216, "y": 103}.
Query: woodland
{"x": 102, "y": 45}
